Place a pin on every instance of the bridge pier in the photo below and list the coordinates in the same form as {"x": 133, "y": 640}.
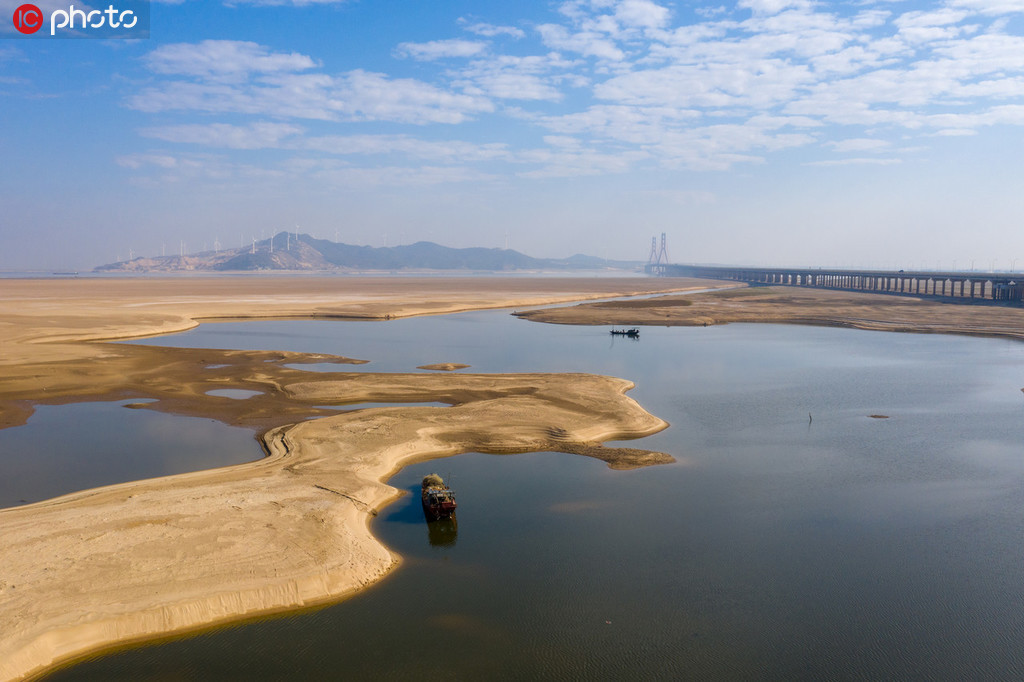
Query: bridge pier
{"x": 992, "y": 287}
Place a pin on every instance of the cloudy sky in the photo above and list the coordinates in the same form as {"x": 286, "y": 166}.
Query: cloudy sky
{"x": 866, "y": 133}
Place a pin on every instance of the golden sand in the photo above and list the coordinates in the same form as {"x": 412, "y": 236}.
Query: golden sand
{"x": 138, "y": 560}
{"x": 794, "y": 305}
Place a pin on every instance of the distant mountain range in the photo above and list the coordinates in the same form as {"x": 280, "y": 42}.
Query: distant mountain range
{"x": 286, "y": 251}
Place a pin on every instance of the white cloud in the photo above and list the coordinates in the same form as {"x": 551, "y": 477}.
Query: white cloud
{"x": 136, "y": 161}
{"x": 861, "y": 144}
{"x": 247, "y": 79}
{"x": 405, "y": 145}
{"x": 373, "y": 96}
{"x": 717, "y": 147}
{"x": 579, "y": 9}
{"x": 938, "y": 17}
{"x": 223, "y": 60}
{"x": 761, "y": 84}
{"x": 641, "y": 13}
{"x": 671, "y": 137}
{"x": 930, "y": 34}
{"x": 562, "y": 141}
{"x": 619, "y": 81}
{"x": 987, "y": 53}
{"x": 772, "y": 6}
{"x": 508, "y": 77}
{"x": 586, "y": 43}
{"x": 440, "y": 49}
{"x": 861, "y": 161}
{"x": 710, "y": 12}
{"x": 870, "y": 18}
{"x": 621, "y": 123}
{"x": 796, "y": 34}
{"x": 162, "y": 169}
{"x": 490, "y": 30}
{"x": 520, "y": 86}
{"x": 932, "y": 25}
{"x": 849, "y": 61}
{"x": 990, "y": 7}
{"x": 257, "y": 135}
{"x": 269, "y": 135}
{"x": 1009, "y": 114}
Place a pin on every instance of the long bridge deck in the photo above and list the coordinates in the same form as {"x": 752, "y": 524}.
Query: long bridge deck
{"x": 957, "y": 284}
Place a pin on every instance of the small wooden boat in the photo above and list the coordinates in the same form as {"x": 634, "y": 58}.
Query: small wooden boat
{"x": 632, "y": 333}
{"x": 438, "y": 498}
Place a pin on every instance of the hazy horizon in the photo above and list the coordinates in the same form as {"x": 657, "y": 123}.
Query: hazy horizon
{"x": 871, "y": 133}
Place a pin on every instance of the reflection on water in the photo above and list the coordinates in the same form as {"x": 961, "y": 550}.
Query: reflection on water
{"x": 442, "y": 532}
{"x": 234, "y": 393}
{"x": 410, "y": 514}
{"x": 66, "y": 448}
{"x": 778, "y": 547}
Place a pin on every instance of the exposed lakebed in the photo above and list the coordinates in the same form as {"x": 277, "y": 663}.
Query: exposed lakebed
{"x": 795, "y": 537}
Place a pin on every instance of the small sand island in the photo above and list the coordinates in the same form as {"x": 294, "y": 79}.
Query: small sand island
{"x": 133, "y": 561}
{"x": 444, "y": 366}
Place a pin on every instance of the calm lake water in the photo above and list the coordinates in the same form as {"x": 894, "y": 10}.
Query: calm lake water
{"x": 84, "y": 445}
{"x": 797, "y": 537}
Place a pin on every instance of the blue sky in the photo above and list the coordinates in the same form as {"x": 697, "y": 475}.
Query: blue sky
{"x": 782, "y": 132}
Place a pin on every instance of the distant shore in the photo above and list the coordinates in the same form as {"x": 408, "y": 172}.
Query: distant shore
{"x": 796, "y": 305}
{"x": 102, "y": 567}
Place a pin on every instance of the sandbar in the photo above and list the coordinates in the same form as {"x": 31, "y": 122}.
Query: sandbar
{"x": 796, "y": 305}
{"x": 96, "y": 568}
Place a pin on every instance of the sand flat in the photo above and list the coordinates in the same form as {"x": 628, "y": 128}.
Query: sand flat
{"x": 142, "y": 559}
{"x": 138, "y": 560}
{"x": 798, "y": 305}
{"x": 52, "y": 316}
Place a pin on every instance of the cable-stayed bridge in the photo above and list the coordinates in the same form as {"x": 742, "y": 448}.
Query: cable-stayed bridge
{"x": 958, "y": 284}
